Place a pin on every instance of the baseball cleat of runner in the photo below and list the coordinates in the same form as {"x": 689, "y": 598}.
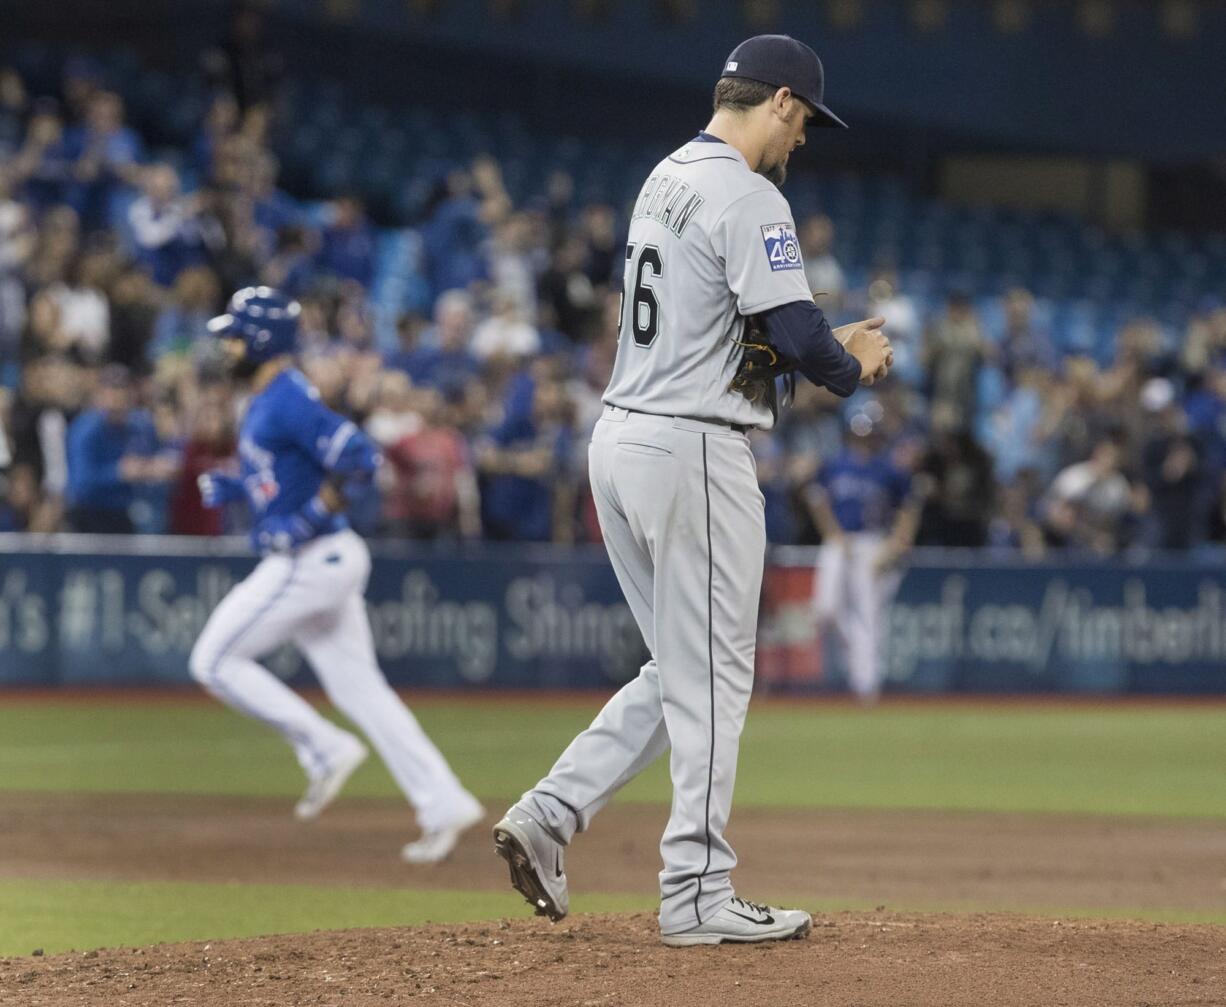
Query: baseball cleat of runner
{"x": 323, "y": 790}
{"x": 435, "y": 845}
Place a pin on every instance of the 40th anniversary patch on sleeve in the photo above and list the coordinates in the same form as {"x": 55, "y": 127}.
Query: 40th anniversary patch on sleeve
{"x": 782, "y": 248}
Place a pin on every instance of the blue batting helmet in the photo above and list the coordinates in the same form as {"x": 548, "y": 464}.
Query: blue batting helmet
{"x": 265, "y": 319}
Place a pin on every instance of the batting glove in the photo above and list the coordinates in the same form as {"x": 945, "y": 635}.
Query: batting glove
{"x": 218, "y": 489}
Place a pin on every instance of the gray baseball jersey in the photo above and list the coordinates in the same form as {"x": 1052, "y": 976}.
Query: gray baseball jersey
{"x": 682, "y": 515}
{"x": 710, "y": 242}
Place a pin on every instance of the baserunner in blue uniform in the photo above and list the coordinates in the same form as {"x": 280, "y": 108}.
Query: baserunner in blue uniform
{"x": 298, "y": 461}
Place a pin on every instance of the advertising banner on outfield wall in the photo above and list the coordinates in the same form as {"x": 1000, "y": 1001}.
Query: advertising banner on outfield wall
{"x": 508, "y": 617}
{"x": 77, "y": 611}
{"x": 966, "y": 622}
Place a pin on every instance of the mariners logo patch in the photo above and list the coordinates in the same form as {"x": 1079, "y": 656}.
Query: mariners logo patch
{"x": 782, "y": 248}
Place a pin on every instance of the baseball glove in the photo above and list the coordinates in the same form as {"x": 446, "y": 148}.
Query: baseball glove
{"x": 760, "y": 364}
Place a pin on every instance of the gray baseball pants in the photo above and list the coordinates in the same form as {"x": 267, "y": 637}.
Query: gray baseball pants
{"x": 682, "y": 518}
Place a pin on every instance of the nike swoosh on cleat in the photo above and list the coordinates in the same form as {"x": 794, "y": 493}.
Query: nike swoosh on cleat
{"x": 762, "y": 923}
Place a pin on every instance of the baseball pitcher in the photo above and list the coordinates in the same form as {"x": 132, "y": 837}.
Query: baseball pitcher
{"x": 715, "y": 307}
{"x": 297, "y": 459}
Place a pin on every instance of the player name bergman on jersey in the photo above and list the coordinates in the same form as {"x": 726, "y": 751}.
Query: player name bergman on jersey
{"x": 661, "y": 199}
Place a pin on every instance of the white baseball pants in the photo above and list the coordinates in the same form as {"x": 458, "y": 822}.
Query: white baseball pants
{"x": 313, "y": 598}
{"x": 852, "y": 600}
{"x": 682, "y": 518}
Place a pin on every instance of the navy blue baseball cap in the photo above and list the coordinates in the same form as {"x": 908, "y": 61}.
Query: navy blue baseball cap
{"x": 784, "y": 62}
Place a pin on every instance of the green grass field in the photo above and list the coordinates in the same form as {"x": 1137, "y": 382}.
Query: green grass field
{"x": 64, "y": 915}
{"x": 1127, "y": 759}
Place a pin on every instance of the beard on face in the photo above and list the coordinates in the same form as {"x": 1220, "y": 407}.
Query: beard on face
{"x": 776, "y": 173}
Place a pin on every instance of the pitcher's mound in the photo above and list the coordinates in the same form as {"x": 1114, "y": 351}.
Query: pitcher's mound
{"x": 858, "y": 959}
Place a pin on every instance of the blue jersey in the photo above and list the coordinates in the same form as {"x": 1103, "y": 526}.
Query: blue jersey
{"x": 95, "y": 446}
{"x": 289, "y": 443}
{"x": 863, "y": 492}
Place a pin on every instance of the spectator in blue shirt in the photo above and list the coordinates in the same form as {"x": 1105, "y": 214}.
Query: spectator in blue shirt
{"x": 292, "y": 268}
{"x": 111, "y": 449}
{"x": 164, "y": 227}
{"x": 528, "y": 492}
{"x": 271, "y": 209}
{"x": 347, "y": 248}
{"x": 43, "y": 164}
{"x": 443, "y": 360}
{"x": 1024, "y": 343}
{"x": 219, "y": 122}
{"x": 1205, "y": 407}
{"x": 776, "y": 487}
{"x": 106, "y": 156}
{"x": 454, "y": 237}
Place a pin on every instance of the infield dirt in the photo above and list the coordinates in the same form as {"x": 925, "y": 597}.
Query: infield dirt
{"x": 610, "y": 961}
{"x": 917, "y": 859}
{"x": 910, "y": 858}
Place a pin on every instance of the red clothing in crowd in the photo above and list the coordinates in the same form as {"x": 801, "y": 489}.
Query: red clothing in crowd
{"x": 426, "y": 465}
{"x": 188, "y": 516}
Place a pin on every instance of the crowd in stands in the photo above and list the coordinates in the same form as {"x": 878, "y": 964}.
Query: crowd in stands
{"x": 113, "y": 397}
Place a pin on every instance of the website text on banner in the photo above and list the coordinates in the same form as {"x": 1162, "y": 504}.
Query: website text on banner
{"x": 537, "y": 617}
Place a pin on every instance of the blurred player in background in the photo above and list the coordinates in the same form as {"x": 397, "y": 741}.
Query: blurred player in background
{"x": 867, "y": 511}
{"x": 299, "y": 463}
